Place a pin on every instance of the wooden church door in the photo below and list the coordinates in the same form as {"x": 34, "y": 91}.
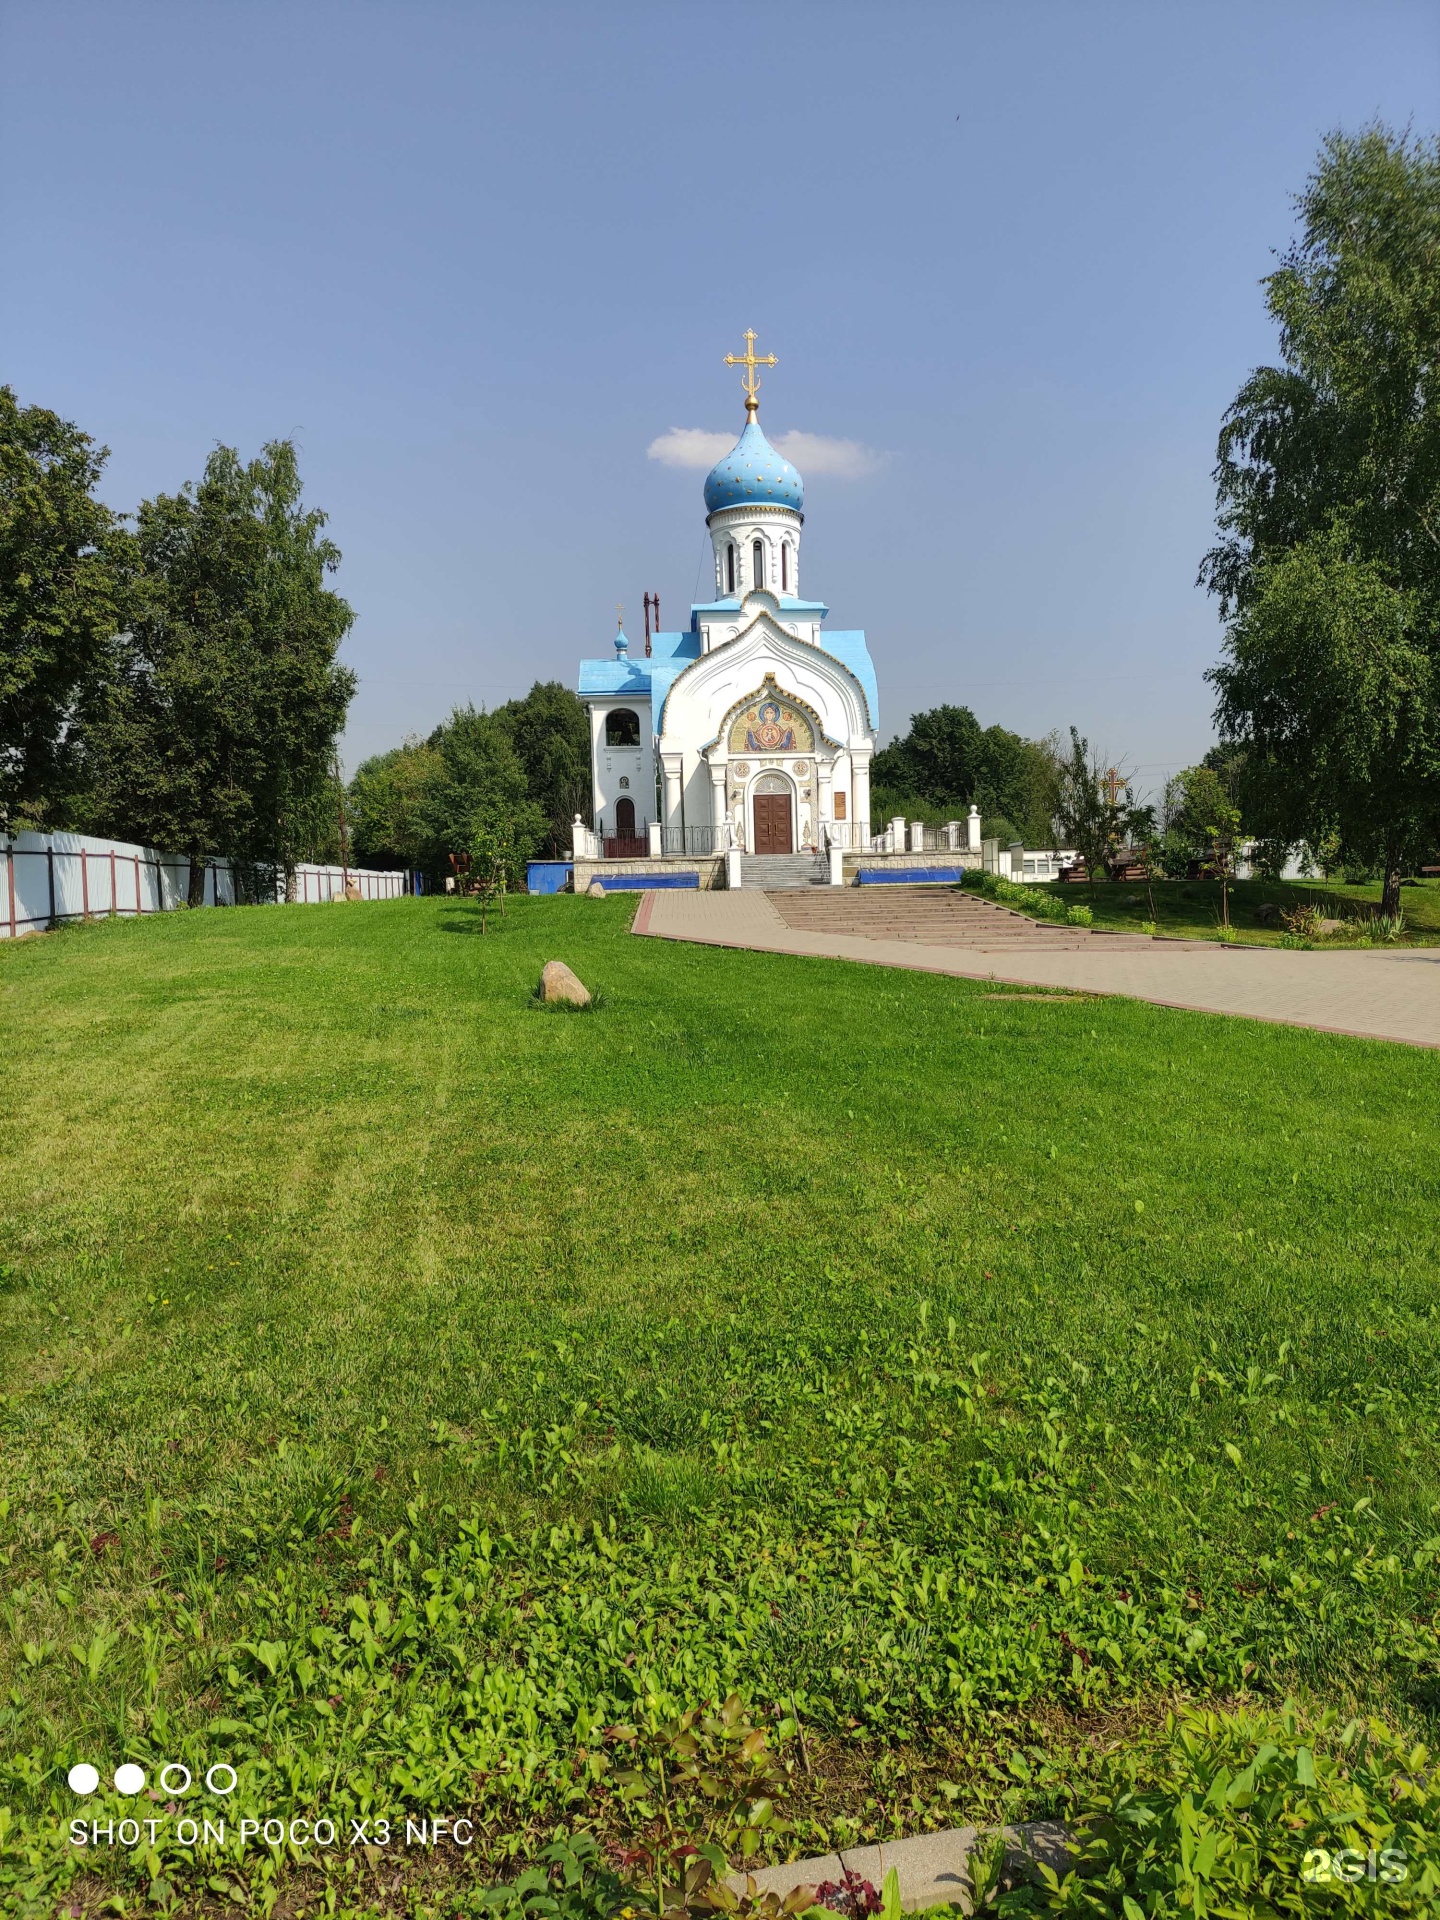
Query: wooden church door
{"x": 772, "y": 823}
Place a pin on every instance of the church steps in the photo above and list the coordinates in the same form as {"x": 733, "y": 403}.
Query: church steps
{"x": 923, "y": 916}
{"x": 773, "y": 872}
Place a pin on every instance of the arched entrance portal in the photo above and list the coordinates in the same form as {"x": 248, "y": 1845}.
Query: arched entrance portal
{"x": 773, "y": 814}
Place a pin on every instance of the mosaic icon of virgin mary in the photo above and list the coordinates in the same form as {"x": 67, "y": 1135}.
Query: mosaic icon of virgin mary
{"x": 767, "y": 735}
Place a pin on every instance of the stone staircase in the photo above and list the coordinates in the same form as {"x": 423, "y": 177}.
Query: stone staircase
{"x": 774, "y": 871}
{"x": 931, "y": 916}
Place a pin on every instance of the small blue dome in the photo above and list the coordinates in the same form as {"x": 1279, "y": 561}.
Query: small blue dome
{"x": 753, "y": 471}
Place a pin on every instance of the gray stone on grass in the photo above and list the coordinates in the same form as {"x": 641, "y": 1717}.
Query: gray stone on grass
{"x": 595, "y": 891}
{"x": 557, "y": 982}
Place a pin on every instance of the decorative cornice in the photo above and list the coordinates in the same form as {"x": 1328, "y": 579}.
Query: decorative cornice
{"x": 725, "y": 515}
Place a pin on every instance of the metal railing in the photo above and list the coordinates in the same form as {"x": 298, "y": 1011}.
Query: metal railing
{"x": 853, "y": 836}
{"x": 694, "y": 840}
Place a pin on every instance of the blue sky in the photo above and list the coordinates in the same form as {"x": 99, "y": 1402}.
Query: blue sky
{"x": 478, "y": 259}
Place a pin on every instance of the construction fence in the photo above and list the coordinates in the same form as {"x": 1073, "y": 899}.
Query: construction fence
{"x": 47, "y": 878}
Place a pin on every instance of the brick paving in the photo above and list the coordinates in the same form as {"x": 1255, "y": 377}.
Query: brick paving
{"x": 1380, "y": 993}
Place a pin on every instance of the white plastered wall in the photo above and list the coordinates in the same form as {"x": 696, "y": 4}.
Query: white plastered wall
{"x": 621, "y": 771}
{"x": 741, "y": 527}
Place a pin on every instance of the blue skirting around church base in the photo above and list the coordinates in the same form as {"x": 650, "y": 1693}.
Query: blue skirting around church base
{"x": 906, "y": 876}
{"x": 643, "y": 882}
{"x": 548, "y": 876}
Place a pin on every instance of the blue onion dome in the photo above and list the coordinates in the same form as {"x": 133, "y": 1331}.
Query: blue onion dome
{"x": 753, "y": 471}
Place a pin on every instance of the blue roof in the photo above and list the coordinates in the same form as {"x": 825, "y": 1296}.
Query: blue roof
{"x": 615, "y": 675}
{"x": 753, "y": 471}
{"x": 652, "y": 679}
{"x": 785, "y": 604}
{"x": 851, "y": 651}
{"x": 646, "y": 679}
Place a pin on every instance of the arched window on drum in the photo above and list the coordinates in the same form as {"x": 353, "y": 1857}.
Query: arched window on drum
{"x": 757, "y": 564}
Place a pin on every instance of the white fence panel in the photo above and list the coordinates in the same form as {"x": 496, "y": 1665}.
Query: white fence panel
{"x": 319, "y": 884}
{"x": 48, "y": 877}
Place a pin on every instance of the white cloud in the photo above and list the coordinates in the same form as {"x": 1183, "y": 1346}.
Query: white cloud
{"x": 698, "y": 448}
{"x": 818, "y": 453}
{"x": 691, "y": 447}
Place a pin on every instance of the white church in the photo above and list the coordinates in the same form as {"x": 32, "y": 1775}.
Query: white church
{"x": 748, "y": 735}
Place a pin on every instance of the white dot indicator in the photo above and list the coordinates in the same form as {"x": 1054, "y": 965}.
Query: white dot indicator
{"x": 129, "y": 1778}
{"x": 83, "y": 1778}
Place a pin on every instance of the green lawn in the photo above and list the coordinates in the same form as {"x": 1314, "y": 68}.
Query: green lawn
{"x": 1192, "y": 908}
{"x": 405, "y": 1384}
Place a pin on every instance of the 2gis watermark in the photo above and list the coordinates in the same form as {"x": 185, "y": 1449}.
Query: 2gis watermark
{"x": 1348, "y": 1866}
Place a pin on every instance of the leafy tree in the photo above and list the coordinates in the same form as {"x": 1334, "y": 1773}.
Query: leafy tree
{"x": 389, "y": 806}
{"x": 515, "y": 777}
{"x": 947, "y": 762}
{"x": 59, "y": 602}
{"x": 493, "y": 862}
{"x": 1194, "y": 799}
{"x": 1094, "y": 814}
{"x": 550, "y": 731}
{"x": 218, "y": 734}
{"x": 478, "y": 786}
{"x": 1328, "y": 565}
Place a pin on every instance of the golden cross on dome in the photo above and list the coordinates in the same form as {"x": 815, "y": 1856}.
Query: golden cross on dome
{"x": 750, "y": 360}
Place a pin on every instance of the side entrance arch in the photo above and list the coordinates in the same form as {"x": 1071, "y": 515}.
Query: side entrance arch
{"x": 772, "y": 809}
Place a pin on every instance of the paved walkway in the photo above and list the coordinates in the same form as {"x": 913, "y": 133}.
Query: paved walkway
{"x": 1382, "y": 994}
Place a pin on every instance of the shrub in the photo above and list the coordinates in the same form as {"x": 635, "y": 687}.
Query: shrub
{"x": 1388, "y": 926}
{"x": 1238, "y": 1813}
{"x": 1041, "y": 906}
{"x": 1302, "y": 921}
{"x": 1079, "y": 917}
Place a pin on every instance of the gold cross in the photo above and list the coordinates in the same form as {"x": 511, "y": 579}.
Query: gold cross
{"x": 750, "y": 360}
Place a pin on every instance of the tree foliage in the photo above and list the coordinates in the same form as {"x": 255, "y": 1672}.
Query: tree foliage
{"x": 218, "y": 732}
{"x": 59, "y": 602}
{"x": 521, "y": 772}
{"x": 1095, "y": 813}
{"x": 550, "y": 731}
{"x": 947, "y": 762}
{"x": 1328, "y": 564}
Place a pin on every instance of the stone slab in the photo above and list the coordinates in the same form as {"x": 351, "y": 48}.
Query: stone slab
{"x": 933, "y": 1868}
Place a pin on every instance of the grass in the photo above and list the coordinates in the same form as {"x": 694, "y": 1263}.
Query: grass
{"x": 1191, "y": 908}
{"x": 407, "y": 1393}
